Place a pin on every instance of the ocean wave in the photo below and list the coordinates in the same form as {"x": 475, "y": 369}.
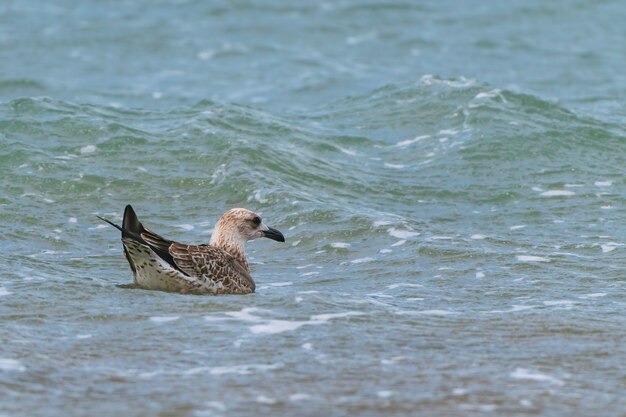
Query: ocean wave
{"x": 432, "y": 143}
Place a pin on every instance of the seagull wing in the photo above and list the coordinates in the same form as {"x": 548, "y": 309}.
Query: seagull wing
{"x": 212, "y": 265}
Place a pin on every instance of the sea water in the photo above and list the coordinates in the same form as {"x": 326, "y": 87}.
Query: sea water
{"x": 449, "y": 177}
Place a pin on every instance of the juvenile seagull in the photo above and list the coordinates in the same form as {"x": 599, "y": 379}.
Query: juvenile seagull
{"x": 217, "y": 268}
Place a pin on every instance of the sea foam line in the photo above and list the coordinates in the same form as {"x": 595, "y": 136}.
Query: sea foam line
{"x": 521, "y": 373}
{"x": 275, "y": 326}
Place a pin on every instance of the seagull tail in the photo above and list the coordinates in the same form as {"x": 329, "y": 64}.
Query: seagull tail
{"x": 131, "y": 223}
{"x": 131, "y": 226}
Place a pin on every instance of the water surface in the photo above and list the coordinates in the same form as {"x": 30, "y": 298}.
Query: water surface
{"x": 448, "y": 175}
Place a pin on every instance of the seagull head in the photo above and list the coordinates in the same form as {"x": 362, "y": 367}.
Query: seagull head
{"x": 240, "y": 224}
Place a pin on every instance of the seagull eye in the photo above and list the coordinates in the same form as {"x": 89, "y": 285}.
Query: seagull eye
{"x": 256, "y": 220}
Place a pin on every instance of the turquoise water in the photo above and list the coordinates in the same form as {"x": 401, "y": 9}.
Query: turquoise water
{"x": 448, "y": 176}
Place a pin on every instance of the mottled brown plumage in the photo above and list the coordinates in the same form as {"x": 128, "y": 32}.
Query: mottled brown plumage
{"x": 217, "y": 268}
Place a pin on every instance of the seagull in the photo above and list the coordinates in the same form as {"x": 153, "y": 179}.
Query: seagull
{"x": 220, "y": 267}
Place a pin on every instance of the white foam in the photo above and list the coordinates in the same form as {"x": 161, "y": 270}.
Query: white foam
{"x": 513, "y": 309}
{"x": 603, "y": 183}
{"x": 206, "y": 54}
{"x": 355, "y": 40}
{"x": 451, "y": 132}
{"x": 72, "y": 220}
{"x": 430, "y": 79}
{"x": 480, "y": 274}
{"x": 280, "y": 326}
{"x": 308, "y": 274}
{"x": 517, "y": 227}
{"x": 235, "y": 369}
{"x": 609, "y": 247}
{"x": 299, "y": 397}
{"x": 307, "y": 346}
{"x": 524, "y": 402}
{"x": 362, "y": 260}
{"x": 402, "y": 234}
{"x": 277, "y": 326}
{"x": 280, "y": 284}
{"x": 478, "y": 237}
{"x": 83, "y": 336}
{"x": 531, "y": 258}
{"x": 262, "y": 399}
{"x": 186, "y": 226}
{"x": 11, "y": 365}
{"x": 379, "y": 295}
{"x": 392, "y": 361}
{"x": 405, "y": 143}
{"x": 521, "y": 373}
{"x": 163, "y": 319}
{"x": 88, "y": 149}
{"x": 4, "y": 291}
{"x": 385, "y": 251}
{"x": 384, "y": 394}
{"x": 216, "y": 405}
{"x": 437, "y": 312}
{"x": 594, "y": 295}
{"x": 150, "y": 375}
{"x": 488, "y": 94}
{"x": 244, "y": 314}
{"x": 399, "y": 243}
{"x": 564, "y": 303}
{"x": 558, "y": 193}
{"x": 330, "y": 316}
{"x": 340, "y": 245}
{"x": 347, "y": 151}
{"x": 379, "y": 223}
{"x": 429, "y": 312}
{"x": 394, "y": 166}
{"x": 404, "y": 284}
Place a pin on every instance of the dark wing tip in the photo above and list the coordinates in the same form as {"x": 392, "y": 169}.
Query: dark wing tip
{"x": 130, "y": 221}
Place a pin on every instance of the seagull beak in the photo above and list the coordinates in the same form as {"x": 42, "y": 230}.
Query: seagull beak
{"x": 273, "y": 234}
